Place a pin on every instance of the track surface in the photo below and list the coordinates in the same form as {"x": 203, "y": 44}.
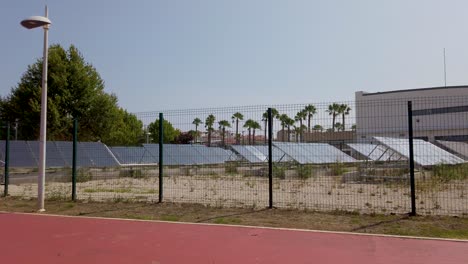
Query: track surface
{"x": 52, "y": 239}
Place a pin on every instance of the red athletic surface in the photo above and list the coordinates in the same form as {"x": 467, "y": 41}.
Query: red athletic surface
{"x": 51, "y": 239}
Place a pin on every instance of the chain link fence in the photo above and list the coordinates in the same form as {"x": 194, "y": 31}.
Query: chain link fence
{"x": 347, "y": 156}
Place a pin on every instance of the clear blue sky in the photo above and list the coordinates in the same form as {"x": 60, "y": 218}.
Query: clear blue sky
{"x": 176, "y": 54}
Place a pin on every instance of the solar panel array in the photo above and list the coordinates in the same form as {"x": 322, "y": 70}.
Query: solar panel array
{"x": 175, "y": 154}
{"x": 59, "y": 154}
{"x": 258, "y": 154}
{"x": 314, "y": 153}
{"x": 133, "y": 155}
{"x": 459, "y": 148}
{"x": 375, "y": 152}
{"x": 425, "y": 153}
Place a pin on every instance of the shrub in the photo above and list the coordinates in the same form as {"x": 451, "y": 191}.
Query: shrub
{"x": 338, "y": 168}
{"x": 231, "y": 168}
{"x": 445, "y": 173}
{"x": 279, "y": 172}
{"x": 133, "y": 173}
{"x": 83, "y": 175}
{"x": 304, "y": 171}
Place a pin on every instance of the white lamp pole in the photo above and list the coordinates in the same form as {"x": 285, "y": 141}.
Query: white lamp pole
{"x": 30, "y": 23}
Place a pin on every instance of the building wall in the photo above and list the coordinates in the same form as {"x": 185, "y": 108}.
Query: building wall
{"x": 439, "y": 111}
{"x": 327, "y": 137}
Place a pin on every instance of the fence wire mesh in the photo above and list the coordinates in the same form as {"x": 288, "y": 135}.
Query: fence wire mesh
{"x": 351, "y": 156}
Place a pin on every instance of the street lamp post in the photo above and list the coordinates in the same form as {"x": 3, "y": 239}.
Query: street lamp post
{"x": 30, "y": 23}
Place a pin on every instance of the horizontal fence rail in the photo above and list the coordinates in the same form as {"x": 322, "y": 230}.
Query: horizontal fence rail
{"x": 367, "y": 157}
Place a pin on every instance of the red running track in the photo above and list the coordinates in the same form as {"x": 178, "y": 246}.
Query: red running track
{"x": 52, "y": 239}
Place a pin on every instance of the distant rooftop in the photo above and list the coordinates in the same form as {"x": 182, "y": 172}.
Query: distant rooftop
{"x": 417, "y": 89}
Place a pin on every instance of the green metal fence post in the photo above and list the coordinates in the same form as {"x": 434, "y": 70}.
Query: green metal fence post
{"x": 75, "y": 140}
{"x": 270, "y": 158}
{"x": 161, "y": 161}
{"x": 7, "y": 159}
{"x": 411, "y": 159}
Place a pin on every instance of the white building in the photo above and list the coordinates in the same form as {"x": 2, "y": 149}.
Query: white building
{"x": 438, "y": 113}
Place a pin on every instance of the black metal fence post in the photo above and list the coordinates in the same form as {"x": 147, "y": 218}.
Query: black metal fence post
{"x": 161, "y": 161}
{"x": 7, "y": 159}
{"x": 411, "y": 159}
{"x": 270, "y": 158}
{"x": 75, "y": 141}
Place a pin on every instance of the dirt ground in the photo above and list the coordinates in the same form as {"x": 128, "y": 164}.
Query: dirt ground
{"x": 322, "y": 193}
{"x": 427, "y": 226}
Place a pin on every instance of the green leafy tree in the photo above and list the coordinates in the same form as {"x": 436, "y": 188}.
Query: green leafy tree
{"x": 235, "y": 118}
{"x": 196, "y": 122}
{"x": 169, "y": 132}
{"x": 129, "y": 130}
{"x": 310, "y": 111}
{"x": 75, "y": 90}
{"x": 318, "y": 128}
{"x": 209, "y": 122}
{"x": 222, "y": 126}
{"x": 185, "y": 137}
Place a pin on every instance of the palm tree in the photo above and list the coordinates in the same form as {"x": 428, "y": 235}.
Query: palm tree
{"x": 344, "y": 110}
{"x": 300, "y": 116}
{"x": 209, "y": 122}
{"x": 249, "y": 125}
{"x": 339, "y": 126}
{"x": 284, "y": 120}
{"x": 310, "y": 111}
{"x": 236, "y": 117}
{"x": 289, "y": 123}
{"x": 222, "y": 126}
{"x": 196, "y": 122}
{"x": 274, "y": 114}
{"x": 333, "y": 110}
{"x": 255, "y": 125}
{"x": 299, "y": 130}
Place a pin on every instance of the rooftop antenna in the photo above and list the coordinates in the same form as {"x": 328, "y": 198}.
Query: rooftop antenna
{"x": 445, "y": 71}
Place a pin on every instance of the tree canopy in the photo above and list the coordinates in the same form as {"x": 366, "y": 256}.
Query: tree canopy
{"x": 170, "y": 134}
{"x": 75, "y": 90}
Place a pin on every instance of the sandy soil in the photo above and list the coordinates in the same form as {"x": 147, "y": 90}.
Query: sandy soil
{"x": 321, "y": 193}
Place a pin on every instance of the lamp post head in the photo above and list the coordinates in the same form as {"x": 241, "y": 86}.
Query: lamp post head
{"x": 35, "y": 21}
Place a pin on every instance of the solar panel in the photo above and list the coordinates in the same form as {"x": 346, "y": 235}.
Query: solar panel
{"x": 66, "y": 150}
{"x": 21, "y": 155}
{"x": 425, "y": 153}
{"x": 296, "y": 152}
{"x": 98, "y": 154}
{"x": 53, "y": 157}
{"x": 133, "y": 155}
{"x": 305, "y": 153}
{"x": 326, "y": 153}
{"x": 374, "y": 152}
{"x": 278, "y": 155}
{"x": 459, "y": 148}
{"x": 182, "y": 154}
{"x": 215, "y": 155}
{"x": 153, "y": 149}
{"x": 247, "y": 153}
